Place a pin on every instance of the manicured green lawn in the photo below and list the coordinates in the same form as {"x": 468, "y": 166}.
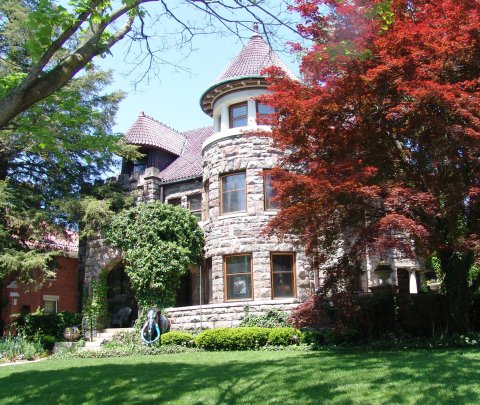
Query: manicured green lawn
{"x": 407, "y": 377}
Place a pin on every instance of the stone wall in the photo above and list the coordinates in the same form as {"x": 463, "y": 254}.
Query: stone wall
{"x": 243, "y": 232}
{"x": 99, "y": 256}
{"x": 224, "y": 315}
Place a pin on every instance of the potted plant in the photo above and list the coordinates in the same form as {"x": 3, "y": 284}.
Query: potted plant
{"x": 71, "y": 333}
{"x": 383, "y": 270}
{"x": 433, "y": 284}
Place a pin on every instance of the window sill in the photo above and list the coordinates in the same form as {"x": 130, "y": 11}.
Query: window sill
{"x": 233, "y": 132}
{"x": 239, "y": 300}
{"x": 233, "y": 215}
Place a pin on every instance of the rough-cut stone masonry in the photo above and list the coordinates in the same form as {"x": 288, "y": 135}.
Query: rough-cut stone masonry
{"x": 242, "y": 232}
{"x": 99, "y": 256}
{"x": 222, "y": 315}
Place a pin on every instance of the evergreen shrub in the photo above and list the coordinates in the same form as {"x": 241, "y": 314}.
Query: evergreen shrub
{"x": 314, "y": 337}
{"x": 176, "y": 338}
{"x": 283, "y": 336}
{"x": 242, "y": 338}
{"x": 246, "y": 338}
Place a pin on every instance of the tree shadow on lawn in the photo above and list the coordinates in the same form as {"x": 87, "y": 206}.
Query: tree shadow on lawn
{"x": 377, "y": 377}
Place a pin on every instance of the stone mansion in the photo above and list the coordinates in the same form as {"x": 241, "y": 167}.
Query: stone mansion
{"x": 219, "y": 174}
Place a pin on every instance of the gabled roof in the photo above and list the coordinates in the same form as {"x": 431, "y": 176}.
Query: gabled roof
{"x": 245, "y": 70}
{"x": 189, "y": 164}
{"x": 252, "y": 60}
{"x": 150, "y": 132}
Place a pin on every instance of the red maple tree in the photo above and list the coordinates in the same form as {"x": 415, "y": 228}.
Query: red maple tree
{"x": 383, "y": 137}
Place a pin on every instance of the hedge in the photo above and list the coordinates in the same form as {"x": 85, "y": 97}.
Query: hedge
{"x": 176, "y": 338}
{"x": 245, "y": 338}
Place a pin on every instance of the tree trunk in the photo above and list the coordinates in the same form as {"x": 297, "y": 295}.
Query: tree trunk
{"x": 456, "y": 266}
{"x": 1, "y": 308}
{"x": 3, "y": 167}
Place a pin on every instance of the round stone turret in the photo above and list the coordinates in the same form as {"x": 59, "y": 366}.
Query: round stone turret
{"x": 243, "y": 263}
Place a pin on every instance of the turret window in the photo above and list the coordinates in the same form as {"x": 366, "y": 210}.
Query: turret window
{"x": 283, "y": 275}
{"x": 263, "y": 113}
{"x": 238, "y": 115}
{"x": 238, "y": 275}
{"x": 233, "y": 193}
{"x": 270, "y": 194}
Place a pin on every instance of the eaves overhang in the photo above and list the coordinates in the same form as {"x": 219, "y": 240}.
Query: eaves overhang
{"x": 209, "y": 96}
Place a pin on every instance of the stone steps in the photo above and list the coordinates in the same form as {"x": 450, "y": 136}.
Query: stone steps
{"x": 102, "y": 337}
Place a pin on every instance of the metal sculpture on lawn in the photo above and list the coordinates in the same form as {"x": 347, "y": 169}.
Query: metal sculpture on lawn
{"x": 155, "y": 325}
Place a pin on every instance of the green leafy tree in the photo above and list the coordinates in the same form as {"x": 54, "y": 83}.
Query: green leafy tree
{"x": 54, "y": 43}
{"x": 159, "y": 241}
{"x": 49, "y": 154}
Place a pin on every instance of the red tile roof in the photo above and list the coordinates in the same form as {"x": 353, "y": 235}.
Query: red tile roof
{"x": 254, "y": 57}
{"x": 150, "y": 132}
{"x": 66, "y": 241}
{"x": 190, "y": 163}
{"x": 245, "y": 70}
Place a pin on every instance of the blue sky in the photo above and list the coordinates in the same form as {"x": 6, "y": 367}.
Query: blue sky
{"x": 171, "y": 95}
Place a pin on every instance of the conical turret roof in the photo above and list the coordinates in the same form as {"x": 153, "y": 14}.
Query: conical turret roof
{"x": 252, "y": 60}
{"x": 245, "y": 70}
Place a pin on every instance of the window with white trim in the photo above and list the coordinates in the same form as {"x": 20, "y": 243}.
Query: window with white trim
{"x": 50, "y": 307}
{"x": 50, "y": 304}
{"x": 238, "y": 115}
{"x": 264, "y": 111}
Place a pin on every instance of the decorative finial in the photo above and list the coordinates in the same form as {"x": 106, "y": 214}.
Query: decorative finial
{"x": 142, "y": 114}
{"x": 255, "y": 27}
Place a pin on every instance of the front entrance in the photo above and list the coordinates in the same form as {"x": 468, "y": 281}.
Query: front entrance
{"x": 184, "y": 293}
{"x": 122, "y": 305}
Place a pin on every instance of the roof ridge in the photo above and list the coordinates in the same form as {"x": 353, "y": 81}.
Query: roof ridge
{"x": 196, "y": 129}
{"x": 142, "y": 114}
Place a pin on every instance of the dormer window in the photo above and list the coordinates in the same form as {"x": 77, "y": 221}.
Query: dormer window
{"x": 238, "y": 115}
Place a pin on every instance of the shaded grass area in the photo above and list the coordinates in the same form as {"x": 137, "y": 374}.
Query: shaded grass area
{"x": 402, "y": 377}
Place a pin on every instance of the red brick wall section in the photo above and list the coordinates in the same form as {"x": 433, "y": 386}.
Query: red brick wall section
{"x": 64, "y": 286}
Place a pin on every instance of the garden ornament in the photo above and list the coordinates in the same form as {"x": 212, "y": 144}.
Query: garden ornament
{"x": 152, "y": 329}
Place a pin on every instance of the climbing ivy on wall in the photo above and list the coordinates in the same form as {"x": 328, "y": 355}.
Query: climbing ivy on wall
{"x": 159, "y": 241}
{"x": 95, "y": 306}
